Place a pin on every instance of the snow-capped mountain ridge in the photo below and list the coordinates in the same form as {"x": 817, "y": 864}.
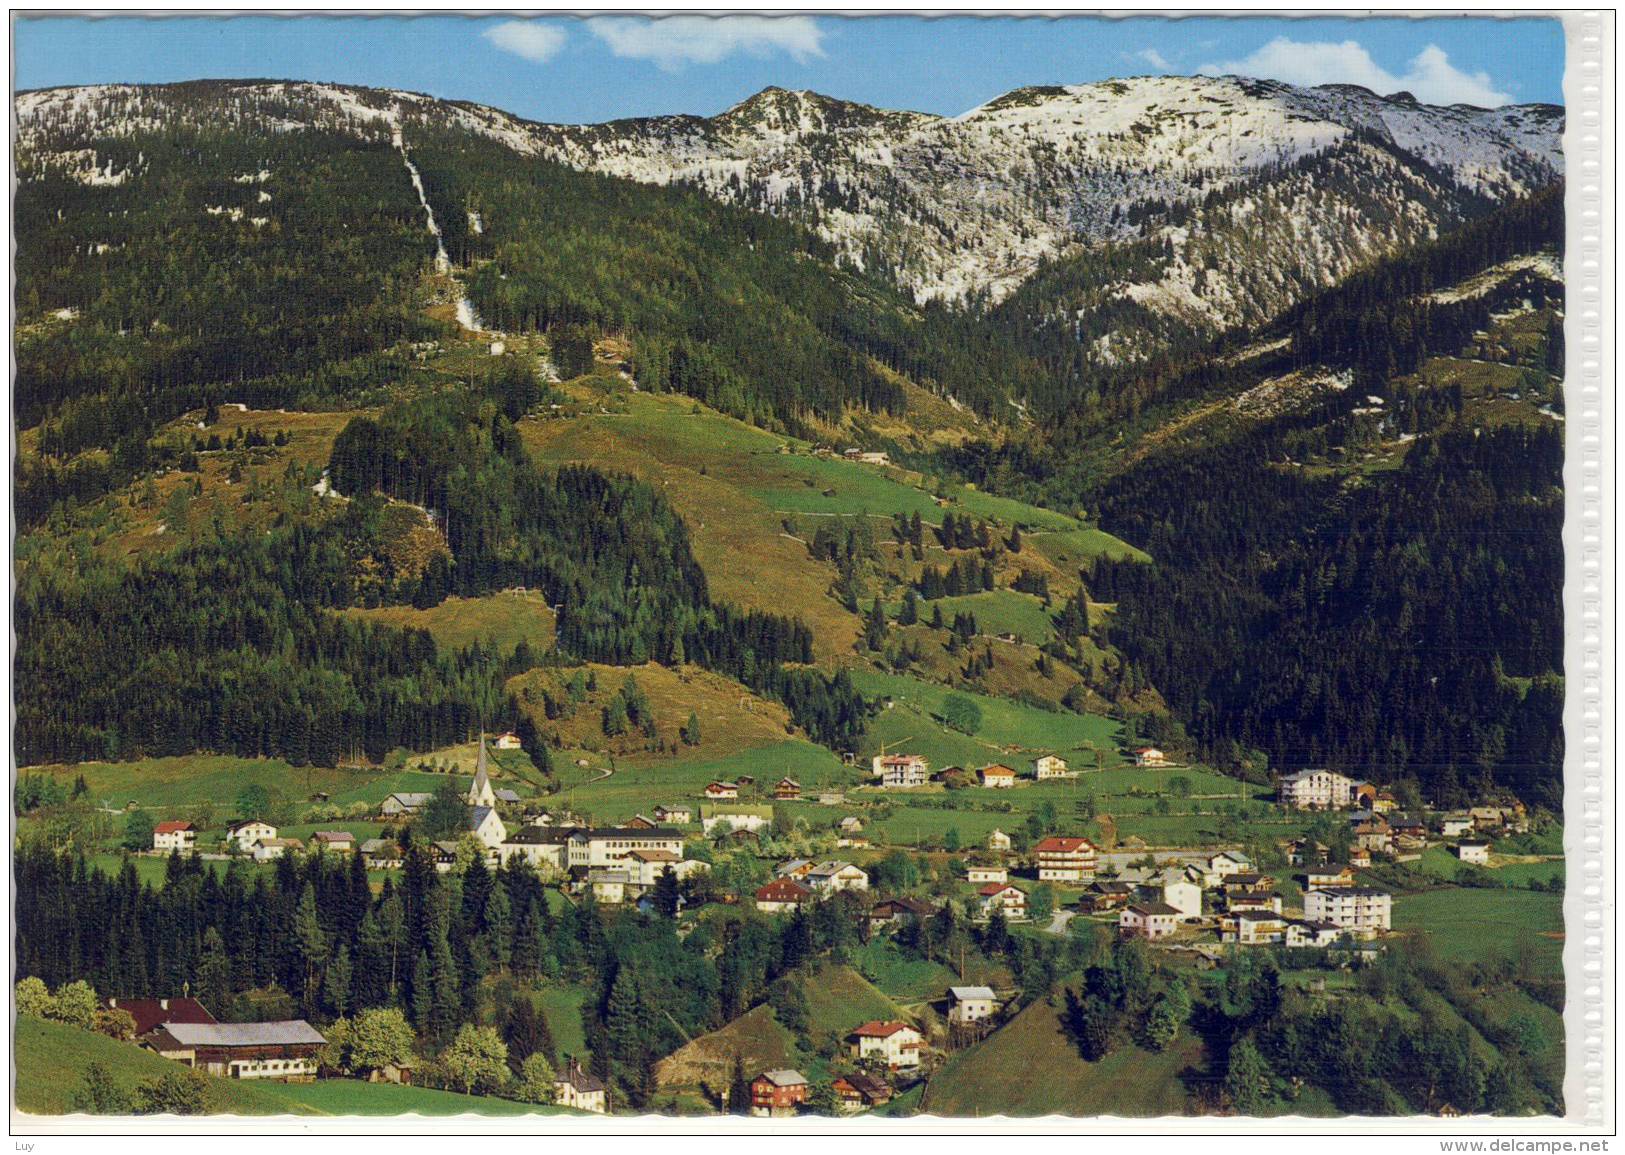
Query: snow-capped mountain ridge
{"x": 955, "y": 206}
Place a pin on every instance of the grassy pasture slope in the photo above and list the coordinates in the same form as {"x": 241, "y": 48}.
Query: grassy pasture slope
{"x": 1008, "y": 729}
{"x": 633, "y": 789}
{"x": 1030, "y": 1067}
{"x": 732, "y": 719}
{"x": 735, "y": 488}
{"x": 458, "y": 622}
{"x": 756, "y": 1036}
{"x": 839, "y": 999}
{"x": 166, "y": 783}
{"x": 1000, "y": 611}
{"x": 1476, "y": 925}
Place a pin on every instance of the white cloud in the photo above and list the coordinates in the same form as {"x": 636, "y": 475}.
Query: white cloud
{"x": 526, "y": 38}
{"x": 672, "y": 41}
{"x": 1429, "y": 76}
{"x": 1155, "y": 59}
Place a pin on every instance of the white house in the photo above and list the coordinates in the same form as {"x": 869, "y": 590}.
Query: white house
{"x": 250, "y": 832}
{"x": 980, "y": 874}
{"x": 1361, "y": 910}
{"x": 897, "y": 1043}
{"x": 829, "y": 877}
{"x": 717, "y": 791}
{"x": 381, "y": 854}
{"x": 1302, "y": 933}
{"x": 998, "y": 840}
{"x": 1316, "y": 790}
{"x": 646, "y": 866}
{"x": 1065, "y": 859}
{"x": 611, "y": 845}
{"x": 736, "y": 819}
{"x": 1255, "y": 927}
{"x": 1331, "y": 874}
{"x": 270, "y": 849}
{"x": 609, "y": 886}
{"x": 1049, "y": 766}
{"x": 1147, "y": 920}
{"x": 780, "y": 895}
{"x": 576, "y": 1088}
{"x": 508, "y": 741}
{"x": 1179, "y": 892}
{"x": 675, "y": 815}
{"x": 1455, "y": 825}
{"x": 1256, "y": 900}
{"x": 181, "y": 836}
{"x": 1222, "y": 865}
{"x": 902, "y": 771}
{"x": 1150, "y": 756}
{"x": 997, "y": 777}
{"x": 1473, "y": 851}
{"x": 971, "y": 1004}
{"x": 540, "y": 846}
{"x": 1012, "y": 900}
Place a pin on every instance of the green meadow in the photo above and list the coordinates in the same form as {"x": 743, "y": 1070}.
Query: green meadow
{"x": 1469, "y": 925}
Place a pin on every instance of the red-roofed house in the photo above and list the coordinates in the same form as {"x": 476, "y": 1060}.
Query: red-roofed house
{"x": 150, "y": 1014}
{"x": 893, "y": 1041}
{"x": 1002, "y": 896}
{"x": 997, "y": 776}
{"x": 181, "y": 836}
{"x": 781, "y": 894}
{"x": 1065, "y": 859}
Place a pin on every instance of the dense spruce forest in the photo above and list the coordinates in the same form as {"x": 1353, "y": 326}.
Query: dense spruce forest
{"x": 183, "y": 283}
{"x": 312, "y": 938}
{"x": 1411, "y": 626}
{"x": 179, "y": 286}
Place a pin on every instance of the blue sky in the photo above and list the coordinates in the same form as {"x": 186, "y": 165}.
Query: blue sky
{"x": 571, "y": 70}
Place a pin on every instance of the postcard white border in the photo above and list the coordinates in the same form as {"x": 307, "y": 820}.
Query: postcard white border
{"x": 1590, "y": 608}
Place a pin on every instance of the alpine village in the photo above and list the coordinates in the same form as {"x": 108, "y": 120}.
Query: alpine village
{"x": 817, "y": 609}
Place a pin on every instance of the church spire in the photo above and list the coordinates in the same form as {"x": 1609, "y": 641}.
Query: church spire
{"x": 480, "y": 793}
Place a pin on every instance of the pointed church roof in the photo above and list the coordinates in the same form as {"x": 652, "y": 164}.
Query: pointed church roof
{"x": 480, "y": 793}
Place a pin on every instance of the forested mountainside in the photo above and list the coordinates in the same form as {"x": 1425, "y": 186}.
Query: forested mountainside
{"x": 137, "y": 227}
{"x": 1140, "y": 204}
{"x": 748, "y": 314}
{"x": 1251, "y": 291}
{"x": 1356, "y": 518}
